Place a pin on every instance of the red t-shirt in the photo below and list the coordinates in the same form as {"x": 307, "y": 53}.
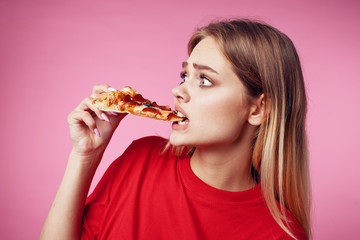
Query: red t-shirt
{"x": 145, "y": 195}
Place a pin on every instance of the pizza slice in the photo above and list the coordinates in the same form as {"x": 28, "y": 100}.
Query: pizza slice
{"x": 130, "y": 101}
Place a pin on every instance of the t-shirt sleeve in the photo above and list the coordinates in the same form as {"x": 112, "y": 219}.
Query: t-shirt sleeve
{"x": 295, "y": 228}
{"x": 97, "y": 203}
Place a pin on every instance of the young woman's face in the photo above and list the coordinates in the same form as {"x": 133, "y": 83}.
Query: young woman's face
{"x": 212, "y": 98}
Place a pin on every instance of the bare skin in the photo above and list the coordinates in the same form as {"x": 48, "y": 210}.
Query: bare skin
{"x": 64, "y": 218}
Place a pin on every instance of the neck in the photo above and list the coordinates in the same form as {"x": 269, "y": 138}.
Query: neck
{"x": 224, "y": 167}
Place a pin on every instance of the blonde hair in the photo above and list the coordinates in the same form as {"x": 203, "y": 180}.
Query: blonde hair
{"x": 266, "y": 62}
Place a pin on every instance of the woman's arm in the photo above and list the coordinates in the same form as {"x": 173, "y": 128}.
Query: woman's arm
{"x": 90, "y": 131}
{"x": 64, "y": 218}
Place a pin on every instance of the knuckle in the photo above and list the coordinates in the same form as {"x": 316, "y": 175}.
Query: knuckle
{"x": 85, "y": 115}
{"x": 95, "y": 88}
{"x": 87, "y": 100}
{"x": 69, "y": 117}
{"x": 100, "y": 88}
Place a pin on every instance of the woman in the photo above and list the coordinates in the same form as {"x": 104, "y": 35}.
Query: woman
{"x": 236, "y": 168}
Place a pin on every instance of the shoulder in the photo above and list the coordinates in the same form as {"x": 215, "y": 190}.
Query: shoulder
{"x": 138, "y": 157}
{"x": 295, "y": 227}
{"x": 146, "y": 146}
{"x": 149, "y": 143}
{"x": 277, "y": 232}
{"x": 273, "y": 230}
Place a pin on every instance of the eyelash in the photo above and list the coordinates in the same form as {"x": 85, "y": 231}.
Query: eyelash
{"x": 202, "y": 76}
{"x": 182, "y": 76}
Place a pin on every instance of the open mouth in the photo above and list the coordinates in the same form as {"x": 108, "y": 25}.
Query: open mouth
{"x": 184, "y": 121}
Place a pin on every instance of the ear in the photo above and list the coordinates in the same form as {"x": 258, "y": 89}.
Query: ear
{"x": 257, "y": 111}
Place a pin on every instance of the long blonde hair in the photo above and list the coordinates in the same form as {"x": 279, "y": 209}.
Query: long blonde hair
{"x": 266, "y": 62}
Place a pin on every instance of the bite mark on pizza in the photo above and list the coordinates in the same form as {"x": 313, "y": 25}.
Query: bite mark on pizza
{"x": 128, "y": 100}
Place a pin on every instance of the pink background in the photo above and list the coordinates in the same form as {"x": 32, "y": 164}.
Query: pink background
{"x": 53, "y": 52}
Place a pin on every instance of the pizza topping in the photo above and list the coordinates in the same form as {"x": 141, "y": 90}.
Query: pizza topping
{"x": 148, "y": 104}
{"x": 140, "y": 99}
{"x": 171, "y": 116}
{"x": 166, "y": 108}
{"x": 134, "y": 104}
{"x": 128, "y": 100}
{"x": 153, "y": 110}
{"x": 184, "y": 120}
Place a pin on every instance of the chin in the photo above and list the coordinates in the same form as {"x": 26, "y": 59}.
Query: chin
{"x": 177, "y": 140}
{"x": 174, "y": 140}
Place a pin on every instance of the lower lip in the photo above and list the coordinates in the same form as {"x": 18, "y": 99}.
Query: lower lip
{"x": 176, "y": 126}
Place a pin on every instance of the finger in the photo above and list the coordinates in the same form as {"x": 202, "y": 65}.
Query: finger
{"x": 113, "y": 117}
{"x": 86, "y": 105}
{"x": 98, "y": 89}
{"x": 114, "y": 113}
{"x": 82, "y": 117}
{"x": 118, "y": 119}
{"x": 112, "y": 89}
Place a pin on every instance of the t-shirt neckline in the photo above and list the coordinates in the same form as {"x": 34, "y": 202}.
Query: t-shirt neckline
{"x": 205, "y": 192}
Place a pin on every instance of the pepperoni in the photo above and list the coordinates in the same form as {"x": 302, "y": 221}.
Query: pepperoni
{"x": 150, "y": 109}
{"x": 133, "y": 104}
{"x": 127, "y": 98}
{"x": 166, "y": 108}
{"x": 139, "y": 98}
{"x": 171, "y": 116}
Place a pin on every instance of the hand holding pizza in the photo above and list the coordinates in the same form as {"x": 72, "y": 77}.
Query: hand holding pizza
{"x": 94, "y": 121}
{"x": 90, "y": 128}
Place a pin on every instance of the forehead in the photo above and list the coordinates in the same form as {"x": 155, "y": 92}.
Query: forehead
{"x": 207, "y": 52}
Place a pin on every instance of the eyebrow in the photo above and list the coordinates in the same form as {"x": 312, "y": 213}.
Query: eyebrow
{"x": 199, "y": 67}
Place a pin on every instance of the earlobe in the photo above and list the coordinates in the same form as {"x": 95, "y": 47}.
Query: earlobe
{"x": 257, "y": 111}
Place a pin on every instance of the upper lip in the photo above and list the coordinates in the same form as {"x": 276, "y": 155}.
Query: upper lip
{"x": 179, "y": 109}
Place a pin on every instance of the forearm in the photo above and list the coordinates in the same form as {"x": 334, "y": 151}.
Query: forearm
{"x": 64, "y": 218}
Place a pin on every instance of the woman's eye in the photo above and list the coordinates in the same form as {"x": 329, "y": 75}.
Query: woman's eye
{"x": 205, "y": 82}
{"x": 183, "y": 77}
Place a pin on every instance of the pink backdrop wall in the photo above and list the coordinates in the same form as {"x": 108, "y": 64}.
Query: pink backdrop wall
{"x": 53, "y": 52}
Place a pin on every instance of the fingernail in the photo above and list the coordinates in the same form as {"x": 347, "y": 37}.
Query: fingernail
{"x": 105, "y": 117}
{"x": 96, "y": 131}
{"x": 112, "y": 89}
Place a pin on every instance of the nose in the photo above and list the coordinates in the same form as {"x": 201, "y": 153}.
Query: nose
{"x": 181, "y": 93}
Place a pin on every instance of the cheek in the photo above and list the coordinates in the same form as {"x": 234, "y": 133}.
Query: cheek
{"x": 224, "y": 116}
{"x": 228, "y": 106}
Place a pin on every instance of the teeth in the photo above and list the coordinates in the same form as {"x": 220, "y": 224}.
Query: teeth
{"x": 181, "y": 123}
{"x": 179, "y": 114}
